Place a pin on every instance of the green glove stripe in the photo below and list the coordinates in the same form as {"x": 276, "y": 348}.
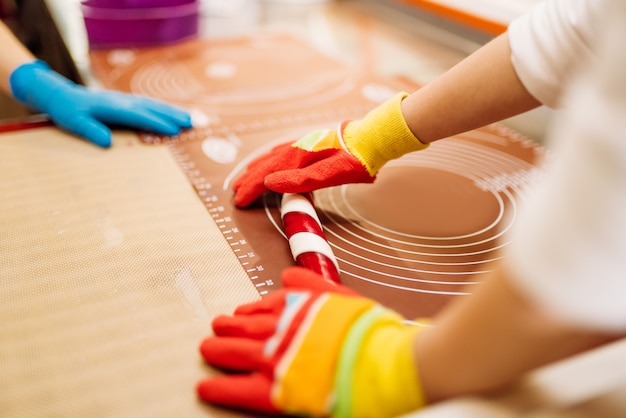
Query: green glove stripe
{"x": 317, "y": 140}
{"x": 347, "y": 359}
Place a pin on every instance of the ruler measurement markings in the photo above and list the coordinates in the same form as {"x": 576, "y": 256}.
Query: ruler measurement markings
{"x": 220, "y": 214}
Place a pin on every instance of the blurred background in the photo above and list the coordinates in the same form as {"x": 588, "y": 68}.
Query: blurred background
{"x": 430, "y": 36}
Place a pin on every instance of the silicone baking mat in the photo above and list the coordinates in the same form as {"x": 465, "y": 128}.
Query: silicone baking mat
{"x": 111, "y": 271}
{"x": 421, "y": 234}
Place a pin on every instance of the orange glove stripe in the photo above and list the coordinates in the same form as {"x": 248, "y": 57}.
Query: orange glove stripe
{"x": 300, "y": 386}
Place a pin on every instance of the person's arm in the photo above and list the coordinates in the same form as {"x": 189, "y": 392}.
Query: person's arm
{"x": 525, "y": 67}
{"x": 486, "y": 341}
{"x": 12, "y": 55}
{"x": 481, "y": 89}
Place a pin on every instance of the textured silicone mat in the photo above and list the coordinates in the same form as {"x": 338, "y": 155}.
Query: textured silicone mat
{"x": 420, "y": 235}
{"x": 110, "y": 273}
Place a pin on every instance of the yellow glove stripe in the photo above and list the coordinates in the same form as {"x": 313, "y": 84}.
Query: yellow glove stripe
{"x": 385, "y": 381}
{"x": 377, "y": 374}
{"x": 300, "y": 385}
{"x": 382, "y": 135}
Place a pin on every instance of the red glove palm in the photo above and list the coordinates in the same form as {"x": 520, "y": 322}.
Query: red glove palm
{"x": 298, "y": 168}
{"x": 240, "y": 342}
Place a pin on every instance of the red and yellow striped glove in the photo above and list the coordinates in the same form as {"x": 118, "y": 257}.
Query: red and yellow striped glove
{"x": 353, "y": 153}
{"x": 313, "y": 349}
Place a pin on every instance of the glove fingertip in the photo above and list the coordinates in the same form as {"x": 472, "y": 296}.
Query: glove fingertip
{"x": 174, "y": 113}
{"x": 285, "y": 182}
{"x": 248, "y": 392}
{"x": 165, "y": 127}
{"x": 204, "y": 390}
{"x": 213, "y": 391}
{"x": 93, "y": 131}
{"x": 245, "y": 196}
{"x": 219, "y": 323}
{"x": 180, "y": 117}
{"x": 184, "y": 120}
{"x": 104, "y": 141}
{"x": 206, "y": 347}
{"x": 100, "y": 138}
{"x": 242, "y": 200}
{"x": 212, "y": 351}
{"x": 296, "y": 277}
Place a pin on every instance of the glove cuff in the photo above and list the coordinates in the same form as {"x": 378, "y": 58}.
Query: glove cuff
{"x": 382, "y": 135}
{"x": 377, "y": 373}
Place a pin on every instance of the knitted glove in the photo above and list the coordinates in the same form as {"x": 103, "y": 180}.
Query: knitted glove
{"x": 313, "y": 349}
{"x": 84, "y": 112}
{"x": 351, "y": 154}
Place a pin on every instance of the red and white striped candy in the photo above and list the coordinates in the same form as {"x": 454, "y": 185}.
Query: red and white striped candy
{"x": 308, "y": 244}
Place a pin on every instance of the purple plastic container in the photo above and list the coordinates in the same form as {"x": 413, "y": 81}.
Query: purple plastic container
{"x": 134, "y": 4}
{"x": 110, "y": 27}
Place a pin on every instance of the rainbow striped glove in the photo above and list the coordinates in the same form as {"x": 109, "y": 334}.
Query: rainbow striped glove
{"x": 313, "y": 349}
{"x": 351, "y": 154}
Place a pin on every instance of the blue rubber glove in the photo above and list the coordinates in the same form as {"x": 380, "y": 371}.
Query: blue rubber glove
{"x": 85, "y": 112}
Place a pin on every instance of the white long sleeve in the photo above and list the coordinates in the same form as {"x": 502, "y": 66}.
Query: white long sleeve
{"x": 550, "y": 42}
{"x": 569, "y": 247}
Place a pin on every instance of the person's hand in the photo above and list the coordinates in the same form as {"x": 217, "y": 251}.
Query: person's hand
{"x": 313, "y": 349}
{"x": 85, "y": 112}
{"x": 351, "y": 154}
